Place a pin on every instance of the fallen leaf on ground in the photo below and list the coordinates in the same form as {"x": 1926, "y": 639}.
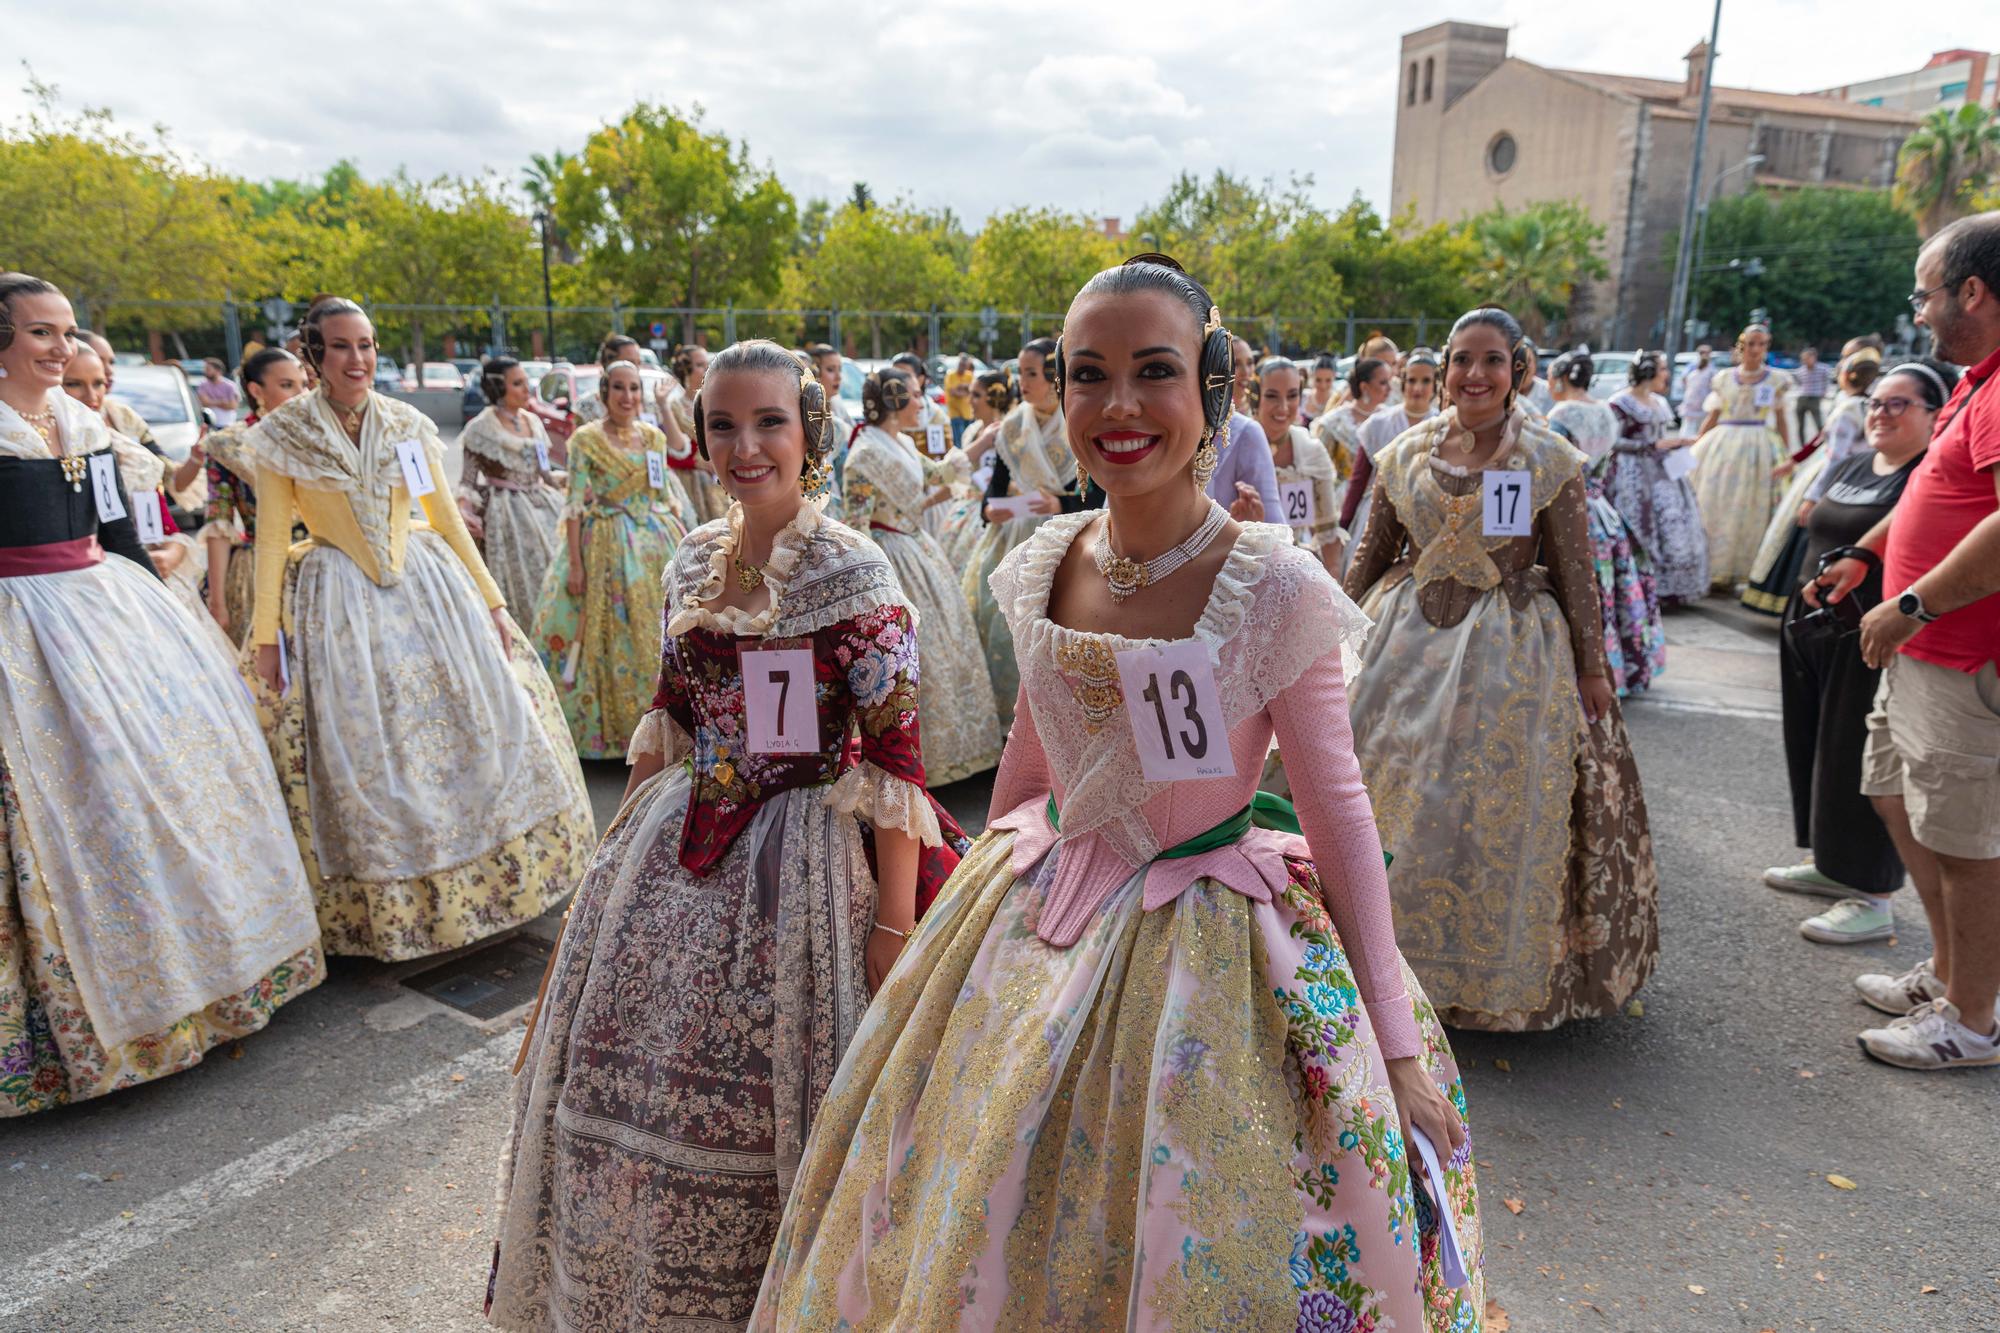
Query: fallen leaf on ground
{"x": 1496, "y": 1318}
{"x": 1503, "y": 1066}
{"x": 1841, "y": 1183}
{"x": 1927, "y": 1291}
{"x": 1514, "y": 1206}
{"x": 1697, "y": 1290}
{"x": 1636, "y": 1009}
{"x": 236, "y": 1051}
{"x": 1807, "y": 1073}
{"x": 458, "y": 1078}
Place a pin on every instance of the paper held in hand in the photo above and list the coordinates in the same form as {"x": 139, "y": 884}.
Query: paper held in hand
{"x": 1176, "y": 712}
{"x": 1678, "y": 462}
{"x": 1450, "y": 1257}
{"x": 1011, "y": 506}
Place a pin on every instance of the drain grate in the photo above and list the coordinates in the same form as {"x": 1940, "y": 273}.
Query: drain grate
{"x": 487, "y": 982}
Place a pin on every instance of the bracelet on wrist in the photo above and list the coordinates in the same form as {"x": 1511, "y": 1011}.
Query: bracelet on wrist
{"x": 891, "y": 930}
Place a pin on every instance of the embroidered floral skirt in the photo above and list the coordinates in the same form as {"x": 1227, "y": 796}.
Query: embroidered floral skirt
{"x": 522, "y": 534}
{"x": 708, "y": 496}
{"x": 151, "y": 902}
{"x": 956, "y": 719}
{"x": 1523, "y": 881}
{"x": 1734, "y": 487}
{"x": 432, "y": 783}
{"x": 1180, "y": 1122}
{"x": 1663, "y": 518}
{"x": 996, "y": 638}
{"x": 689, "y": 1029}
{"x": 602, "y": 650}
{"x": 1635, "y": 642}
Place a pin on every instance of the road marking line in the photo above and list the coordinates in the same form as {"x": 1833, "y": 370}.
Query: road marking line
{"x": 111, "y": 1243}
{"x": 1716, "y": 710}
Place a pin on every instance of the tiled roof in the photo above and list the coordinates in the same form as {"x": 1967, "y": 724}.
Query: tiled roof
{"x": 1749, "y": 99}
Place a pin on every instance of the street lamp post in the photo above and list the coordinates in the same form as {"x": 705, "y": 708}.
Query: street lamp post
{"x": 1701, "y": 227}
{"x": 542, "y": 220}
{"x": 1684, "y": 256}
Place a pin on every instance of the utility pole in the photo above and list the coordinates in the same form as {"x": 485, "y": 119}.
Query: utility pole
{"x": 1684, "y": 260}
{"x": 548, "y": 302}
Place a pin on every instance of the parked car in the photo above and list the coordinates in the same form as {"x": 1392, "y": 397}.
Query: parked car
{"x": 163, "y": 396}
{"x": 436, "y": 375}
{"x": 468, "y": 366}
{"x": 388, "y": 376}
{"x": 472, "y": 402}
{"x": 1610, "y": 375}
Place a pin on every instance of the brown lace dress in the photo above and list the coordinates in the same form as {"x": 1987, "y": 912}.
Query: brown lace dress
{"x": 1523, "y": 880}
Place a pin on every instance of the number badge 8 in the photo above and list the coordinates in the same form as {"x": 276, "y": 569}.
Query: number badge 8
{"x": 1175, "y": 712}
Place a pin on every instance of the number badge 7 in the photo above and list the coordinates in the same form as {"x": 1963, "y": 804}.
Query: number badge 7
{"x": 1175, "y": 711}
{"x": 780, "y": 712}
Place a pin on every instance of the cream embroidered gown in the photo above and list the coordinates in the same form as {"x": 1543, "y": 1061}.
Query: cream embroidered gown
{"x": 152, "y": 904}
{"x": 1313, "y": 466}
{"x": 432, "y": 783}
{"x": 1732, "y": 477}
{"x": 521, "y": 514}
{"x": 1038, "y": 458}
{"x": 886, "y": 485}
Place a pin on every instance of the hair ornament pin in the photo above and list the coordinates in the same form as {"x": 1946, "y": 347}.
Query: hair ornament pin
{"x": 1214, "y": 321}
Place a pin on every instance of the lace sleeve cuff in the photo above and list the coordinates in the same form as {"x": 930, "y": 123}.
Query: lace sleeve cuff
{"x": 657, "y": 734}
{"x": 886, "y": 801}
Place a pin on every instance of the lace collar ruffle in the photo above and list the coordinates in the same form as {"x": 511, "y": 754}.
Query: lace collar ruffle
{"x": 78, "y": 430}
{"x": 723, "y": 539}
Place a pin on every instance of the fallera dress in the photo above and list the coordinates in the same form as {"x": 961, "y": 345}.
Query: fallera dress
{"x": 1037, "y": 457}
{"x": 1660, "y": 512}
{"x": 1733, "y": 464}
{"x": 886, "y": 485}
{"x": 712, "y": 969}
{"x": 602, "y": 650}
{"x": 232, "y": 509}
{"x": 432, "y": 785}
{"x": 1524, "y": 883}
{"x": 520, "y": 512}
{"x": 1780, "y": 565}
{"x": 1110, "y": 1084}
{"x": 1313, "y": 466}
{"x": 149, "y": 910}
{"x": 704, "y": 492}
{"x": 1635, "y": 641}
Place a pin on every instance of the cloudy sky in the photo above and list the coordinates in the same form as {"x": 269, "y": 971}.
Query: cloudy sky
{"x": 1088, "y": 107}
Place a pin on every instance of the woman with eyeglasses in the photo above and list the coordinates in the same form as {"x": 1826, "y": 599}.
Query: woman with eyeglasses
{"x": 1828, "y": 689}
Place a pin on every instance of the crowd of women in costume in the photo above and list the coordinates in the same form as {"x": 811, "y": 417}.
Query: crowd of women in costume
{"x": 1160, "y": 1046}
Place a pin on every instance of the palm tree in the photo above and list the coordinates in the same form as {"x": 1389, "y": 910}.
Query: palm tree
{"x": 1948, "y": 159}
{"x": 1536, "y": 258}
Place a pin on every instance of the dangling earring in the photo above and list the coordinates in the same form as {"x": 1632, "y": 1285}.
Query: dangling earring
{"x": 1082, "y": 478}
{"x": 813, "y": 477}
{"x": 1206, "y": 459}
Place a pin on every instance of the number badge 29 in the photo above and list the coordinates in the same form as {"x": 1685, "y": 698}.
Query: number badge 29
{"x": 1175, "y": 711}
{"x": 780, "y": 708}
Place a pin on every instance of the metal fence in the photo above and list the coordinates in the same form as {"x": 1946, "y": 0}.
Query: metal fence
{"x": 174, "y": 330}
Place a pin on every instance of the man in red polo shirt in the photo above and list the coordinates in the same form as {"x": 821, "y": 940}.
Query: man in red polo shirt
{"x": 1932, "y": 763}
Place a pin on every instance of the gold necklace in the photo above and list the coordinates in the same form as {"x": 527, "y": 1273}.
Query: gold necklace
{"x": 350, "y": 417}
{"x": 748, "y": 577}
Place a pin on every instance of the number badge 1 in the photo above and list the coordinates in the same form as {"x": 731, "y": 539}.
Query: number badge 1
{"x": 780, "y": 710}
{"x": 1175, "y": 711}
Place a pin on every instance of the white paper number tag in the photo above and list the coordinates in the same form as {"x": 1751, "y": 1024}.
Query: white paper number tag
{"x": 780, "y": 711}
{"x": 1677, "y": 462}
{"x": 1176, "y": 714}
{"x": 1505, "y": 504}
{"x": 936, "y": 440}
{"x": 542, "y": 454}
{"x": 104, "y": 485}
{"x": 1450, "y": 1257}
{"x": 1765, "y": 394}
{"x": 656, "y": 469}
{"x": 417, "y": 478}
{"x": 1011, "y": 506}
{"x": 146, "y": 518}
{"x": 1297, "y": 499}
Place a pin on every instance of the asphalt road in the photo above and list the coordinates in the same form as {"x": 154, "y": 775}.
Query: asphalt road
{"x": 1670, "y": 1167}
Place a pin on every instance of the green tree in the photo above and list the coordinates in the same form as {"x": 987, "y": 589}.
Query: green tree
{"x": 1535, "y": 259}
{"x": 667, "y": 213}
{"x": 1951, "y": 158}
{"x": 1830, "y": 264}
{"x": 1035, "y": 258}
{"x": 885, "y": 257}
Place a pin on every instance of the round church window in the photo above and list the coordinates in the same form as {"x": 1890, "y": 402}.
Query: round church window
{"x": 1500, "y": 154}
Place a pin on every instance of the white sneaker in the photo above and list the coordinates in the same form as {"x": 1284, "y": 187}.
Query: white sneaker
{"x": 1851, "y": 921}
{"x": 1899, "y": 995}
{"x": 1930, "y": 1037}
{"x": 1807, "y": 878}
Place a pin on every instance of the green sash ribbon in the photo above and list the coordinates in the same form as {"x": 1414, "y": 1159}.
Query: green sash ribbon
{"x": 1266, "y": 810}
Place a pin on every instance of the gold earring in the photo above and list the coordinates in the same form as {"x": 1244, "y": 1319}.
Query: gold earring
{"x": 1206, "y": 459}
{"x": 1082, "y": 477}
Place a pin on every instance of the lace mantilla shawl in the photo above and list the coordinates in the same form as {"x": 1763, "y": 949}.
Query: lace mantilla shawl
{"x": 231, "y": 448}
{"x": 1309, "y": 456}
{"x": 819, "y": 574}
{"x": 1036, "y": 453}
{"x": 78, "y": 430}
{"x": 1272, "y": 612}
{"x": 485, "y": 436}
{"x": 1444, "y": 528}
{"x": 901, "y": 476}
{"x": 303, "y": 440}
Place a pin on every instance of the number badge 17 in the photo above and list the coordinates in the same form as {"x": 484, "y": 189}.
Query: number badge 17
{"x": 1176, "y": 712}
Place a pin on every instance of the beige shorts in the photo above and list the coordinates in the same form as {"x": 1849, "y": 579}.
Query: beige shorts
{"x": 1934, "y": 740}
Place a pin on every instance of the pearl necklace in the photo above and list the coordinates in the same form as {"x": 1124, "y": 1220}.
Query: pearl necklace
{"x": 1127, "y": 576}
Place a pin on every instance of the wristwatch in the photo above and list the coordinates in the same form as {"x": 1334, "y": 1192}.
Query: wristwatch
{"x": 1912, "y": 606}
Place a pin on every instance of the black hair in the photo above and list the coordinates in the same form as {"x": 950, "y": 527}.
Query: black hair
{"x": 1574, "y": 368}
{"x": 1645, "y": 368}
{"x": 11, "y": 286}
{"x": 915, "y": 363}
{"x": 257, "y": 365}
{"x": 682, "y": 363}
{"x": 996, "y": 389}
{"x": 613, "y": 344}
{"x": 312, "y": 333}
{"x": 1509, "y": 328}
{"x": 885, "y": 393}
{"x": 1364, "y": 370}
{"x": 1970, "y": 248}
{"x": 1045, "y": 348}
{"x": 1325, "y": 361}
{"x": 493, "y": 376}
{"x": 1937, "y": 392}
{"x": 761, "y": 355}
{"x": 1216, "y": 364}
{"x": 1271, "y": 363}
{"x": 820, "y": 351}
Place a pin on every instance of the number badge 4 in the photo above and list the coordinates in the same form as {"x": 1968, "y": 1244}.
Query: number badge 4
{"x": 1176, "y": 713}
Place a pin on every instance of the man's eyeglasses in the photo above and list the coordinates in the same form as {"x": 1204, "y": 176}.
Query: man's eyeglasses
{"x": 1890, "y": 407}
{"x": 1917, "y": 299}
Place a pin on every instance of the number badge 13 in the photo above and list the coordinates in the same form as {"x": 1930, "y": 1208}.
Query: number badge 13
{"x": 1176, "y": 712}
{"x": 780, "y": 707}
